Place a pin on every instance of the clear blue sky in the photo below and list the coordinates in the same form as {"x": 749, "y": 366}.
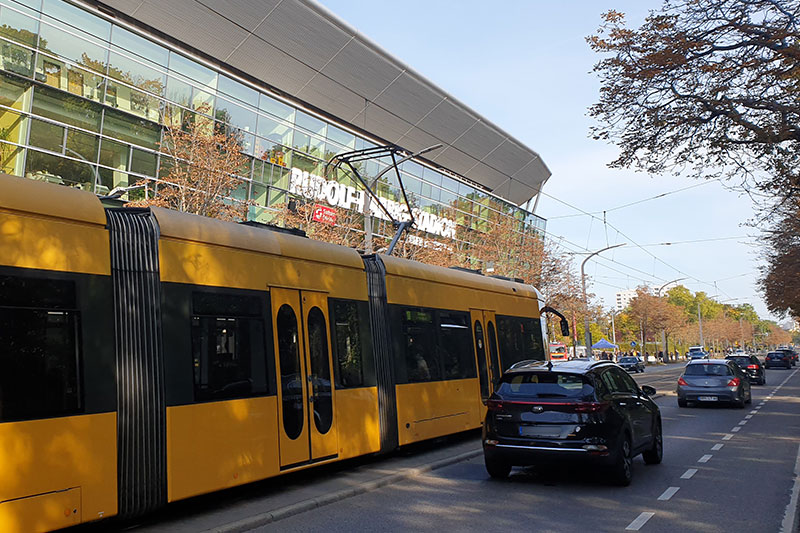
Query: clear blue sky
{"x": 525, "y": 65}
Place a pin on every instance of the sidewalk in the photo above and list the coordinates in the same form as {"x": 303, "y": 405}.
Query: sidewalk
{"x": 245, "y": 508}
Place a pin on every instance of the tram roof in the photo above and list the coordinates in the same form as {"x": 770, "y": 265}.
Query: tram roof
{"x": 56, "y": 201}
{"x": 413, "y": 269}
{"x": 307, "y": 53}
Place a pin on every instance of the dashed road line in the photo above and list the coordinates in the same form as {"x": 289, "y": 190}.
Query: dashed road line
{"x": 728, "y": 436}
{"x": 669, "y": 493}
{"x": 753, "y": 412}
{"x": 705, "y": 458}
{"x": 689, "y": 473}
{"x": 717, "y": 447}
{"x": 743, "y": 422}
{"x": 736, "y": 429}
{"x": 748, "y": 417}
{"x": 639, "y": 521}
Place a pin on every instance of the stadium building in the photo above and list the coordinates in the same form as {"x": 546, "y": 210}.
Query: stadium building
{"x": 86, "y": 89}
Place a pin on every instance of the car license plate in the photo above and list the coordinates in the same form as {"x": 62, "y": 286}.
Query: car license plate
{"x": 539, "y": 431}
{"x": 707, "y": 398}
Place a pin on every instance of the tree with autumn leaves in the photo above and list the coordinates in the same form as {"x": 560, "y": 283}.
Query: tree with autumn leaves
{"x": 712, "y": 87}
{"x": 198, "y": 169}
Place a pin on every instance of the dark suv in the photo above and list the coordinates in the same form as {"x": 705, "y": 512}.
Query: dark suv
{"x": 591, "y": 411}
{"x": 751, "y": 366}
{"x": 778, "y": 359}
{"x": 792, "y": 354}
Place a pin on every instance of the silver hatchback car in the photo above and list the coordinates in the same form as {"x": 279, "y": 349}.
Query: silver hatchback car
{"x": 711, "y": 381}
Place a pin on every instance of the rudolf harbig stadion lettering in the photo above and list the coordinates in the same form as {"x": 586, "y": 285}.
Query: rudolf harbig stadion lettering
{"x": 337, "y": 194}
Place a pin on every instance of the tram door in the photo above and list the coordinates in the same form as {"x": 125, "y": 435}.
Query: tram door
{"x": 305, "y": 376}
{"x": 484, "y": 336}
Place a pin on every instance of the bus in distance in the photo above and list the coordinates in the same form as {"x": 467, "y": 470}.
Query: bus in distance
{"x": 558, "y": 351}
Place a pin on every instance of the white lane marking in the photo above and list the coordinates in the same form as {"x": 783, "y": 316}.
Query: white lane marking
{"x": 689, "y": 473}
{"x": 748, "y": 417}
{"x": 639, "y": 522}
{"x": 669, "y": 493}
{"x": 743, "y": 422}
{"x": 717, "y": 447}
{"x": 753, "y": 412}
{"x": 729, "y": 436}
{"x": 791, "y": 509}
{"x": 705, "y": 458}
{"x": 737, "y": 428}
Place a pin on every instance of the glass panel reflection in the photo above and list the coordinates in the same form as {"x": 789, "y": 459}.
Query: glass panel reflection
{"x": 122, "y": 38}
{"x": 320, "y": 375}
{"x": 20, "y": 27}
{"x": 291, "y": 378}
{"x": 66, "y": 14}
{"x": 237, "y": 90}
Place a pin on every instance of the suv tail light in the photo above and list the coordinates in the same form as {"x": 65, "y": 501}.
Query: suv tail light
{"x": 733, "y": 383}
{"x": 494, "y": 405}
{"x": 682, "y": 382}
{"x": 752, "y": 367}
{"x": 591, "y": 407}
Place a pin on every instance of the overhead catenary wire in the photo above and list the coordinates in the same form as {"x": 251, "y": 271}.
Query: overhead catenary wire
{"x": 651, "y": 198}
{"x": 632, "y": 241}
{"x": 636, "y": 244}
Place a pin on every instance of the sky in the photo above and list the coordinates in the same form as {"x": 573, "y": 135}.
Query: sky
{"x": 525, "y": 66}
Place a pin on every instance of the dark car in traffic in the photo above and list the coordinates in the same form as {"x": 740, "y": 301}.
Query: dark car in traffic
{"x": 778, "y": 360}
{"x": 792, "y": 354}
{"x": 751, "y": 366}
{"x": 713, "y": 381}
{"x": 581, "y": 411}
{"x": 631, "y": 364}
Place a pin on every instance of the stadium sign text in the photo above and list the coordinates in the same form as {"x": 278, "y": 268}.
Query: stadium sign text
{"x": 317, "y": 188}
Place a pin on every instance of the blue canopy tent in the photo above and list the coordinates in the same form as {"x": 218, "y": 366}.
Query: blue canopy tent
{"x": 603, "y": 344}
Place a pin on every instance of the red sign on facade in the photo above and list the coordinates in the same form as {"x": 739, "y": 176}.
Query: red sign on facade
{"x": 326, "y": 215}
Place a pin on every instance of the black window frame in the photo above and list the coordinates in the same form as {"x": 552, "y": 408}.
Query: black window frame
{"x": 367, "y": 370}
{"x": 51, "y": 302}
{"x": 435, "y": 360}
{"x": 503, "y": 322}
{"x": 261, "y": 372}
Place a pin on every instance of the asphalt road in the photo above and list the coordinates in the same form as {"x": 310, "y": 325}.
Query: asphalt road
{"x": 724, "y": 470}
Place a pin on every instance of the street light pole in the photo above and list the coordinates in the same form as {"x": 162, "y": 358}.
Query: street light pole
{"x": 664, "y": 333}
{"x": 700, "y": 321}
{"x": 587, "y": 336}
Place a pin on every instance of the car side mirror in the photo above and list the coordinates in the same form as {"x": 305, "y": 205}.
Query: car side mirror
{"x": 648, "y": 390}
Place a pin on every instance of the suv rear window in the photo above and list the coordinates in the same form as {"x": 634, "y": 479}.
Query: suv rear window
{"x": 707, "y": 370}
{"x": 775, "y": 355}
{"x": 739, "y": 360}
{"x": 545, "y": 385}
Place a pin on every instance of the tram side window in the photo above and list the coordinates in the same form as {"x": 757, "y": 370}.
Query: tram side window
{"x": 419, "y": 345}
{"x": 228, "y": 348}
{"x": 347, "y": 340}
{"x": 39, "y": 349}
{"x": 455, "y": 345}
{"x": 520, "y": 339}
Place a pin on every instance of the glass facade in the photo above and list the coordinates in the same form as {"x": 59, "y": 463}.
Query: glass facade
{"x": 83, "y": 103}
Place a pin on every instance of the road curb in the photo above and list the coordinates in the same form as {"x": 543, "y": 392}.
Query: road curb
{"x": 252, "y": 522}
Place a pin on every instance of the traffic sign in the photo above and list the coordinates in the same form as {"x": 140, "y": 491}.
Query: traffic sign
{"x": 633, "y": 343}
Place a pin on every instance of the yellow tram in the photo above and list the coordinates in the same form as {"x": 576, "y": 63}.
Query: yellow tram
{"x": 148, "y": 356}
